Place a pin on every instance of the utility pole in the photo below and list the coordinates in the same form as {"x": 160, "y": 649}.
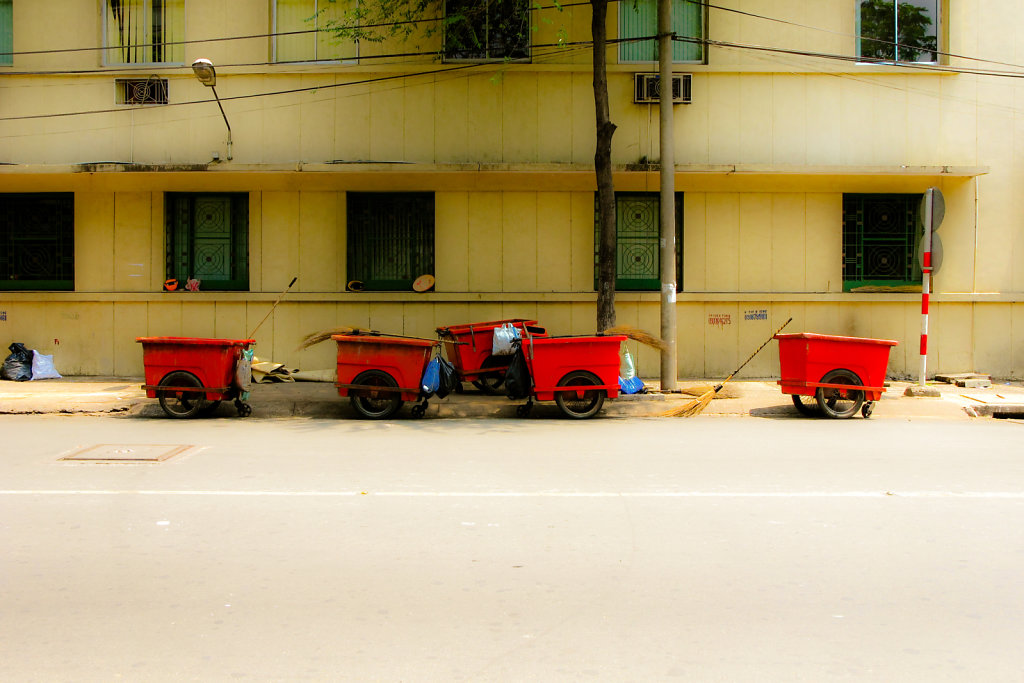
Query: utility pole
{"x": 669, "y": 365}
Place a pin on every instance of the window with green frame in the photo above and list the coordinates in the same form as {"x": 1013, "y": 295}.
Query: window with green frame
{"x": 390, "y": 238}
{"x": 880, "y": 233}
{"x": 37, "y": 241}
{"x": 208, "y": 239}
{"x": 6, "y": 32}
{"x": 639, "y": 19}
{"x": 638, "y": 241}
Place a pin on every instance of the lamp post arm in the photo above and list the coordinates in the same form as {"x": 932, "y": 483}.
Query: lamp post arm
{"x": 225, "y": 119}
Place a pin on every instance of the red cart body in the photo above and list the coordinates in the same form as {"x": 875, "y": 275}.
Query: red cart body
{"x": 550, "y": 359}
{"x": 212, "y": 361}
{"x": 806, "y": 358}
{"x": 468, "y": 346}
{"x": 402, "y": 358}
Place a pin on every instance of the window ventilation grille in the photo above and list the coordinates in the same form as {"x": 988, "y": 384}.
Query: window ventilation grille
{"x": 647, "y": 88}
{"x": 151, "y": 90}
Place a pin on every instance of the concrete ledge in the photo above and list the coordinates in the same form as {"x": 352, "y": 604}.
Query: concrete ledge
{"x": 917, "y": 391}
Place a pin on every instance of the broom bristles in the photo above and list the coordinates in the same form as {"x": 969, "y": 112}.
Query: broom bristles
{"x": 694, "y": 407}
{"x": 324, "y": 335}
{"x": 638, "y": 335}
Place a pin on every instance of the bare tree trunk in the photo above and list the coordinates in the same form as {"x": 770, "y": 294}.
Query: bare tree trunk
{"x": 603, "y": 168}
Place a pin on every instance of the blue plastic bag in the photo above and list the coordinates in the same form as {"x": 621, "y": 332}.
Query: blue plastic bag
{"x": 633, "y": 385}
{"x": 431, "y": 377}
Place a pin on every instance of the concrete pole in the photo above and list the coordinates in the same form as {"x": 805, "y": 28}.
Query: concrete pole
{"x": 669, "y": 366}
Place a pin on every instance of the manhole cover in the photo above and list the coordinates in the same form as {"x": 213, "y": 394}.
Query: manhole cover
{"x": 112, "y": 452}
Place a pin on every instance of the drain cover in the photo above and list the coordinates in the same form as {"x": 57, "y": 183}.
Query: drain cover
{"x": 112, "y": 452}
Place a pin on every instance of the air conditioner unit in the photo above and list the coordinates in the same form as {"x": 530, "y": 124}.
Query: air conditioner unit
{"x": 647, "y": 88}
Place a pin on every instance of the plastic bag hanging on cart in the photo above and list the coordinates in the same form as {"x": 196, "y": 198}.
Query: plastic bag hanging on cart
{"x": 518, "y": 383}
{"x": 503, "y": 340}
{"x": 431, "y": 380}
{"x": 447, "y": 378}
{"x": 243, "y": 372}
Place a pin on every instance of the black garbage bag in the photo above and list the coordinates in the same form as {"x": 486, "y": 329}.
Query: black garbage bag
{"x": 17, "y": 366}
{"x": 518, "y": 383}
{"x": 448, "y": 378}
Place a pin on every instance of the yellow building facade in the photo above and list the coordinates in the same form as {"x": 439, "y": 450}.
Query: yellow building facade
{"x": 792, "y": 139}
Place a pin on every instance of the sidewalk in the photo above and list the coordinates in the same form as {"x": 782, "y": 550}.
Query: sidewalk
{"x": 757, "y": 398}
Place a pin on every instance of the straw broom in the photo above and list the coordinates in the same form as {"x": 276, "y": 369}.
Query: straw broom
{"x": 697, "y": 405}
{"x": 645, "y": 338}
{"x": 324, "y": 335}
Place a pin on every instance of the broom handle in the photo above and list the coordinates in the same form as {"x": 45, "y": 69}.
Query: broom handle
{"x": 755, "y": 353}
{"x": 276, "y": 302}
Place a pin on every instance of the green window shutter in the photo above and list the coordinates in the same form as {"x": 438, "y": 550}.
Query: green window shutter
{"x": 390, "y": 238}
{"x": 6, "y": 32}
{"x": 207, "y": 239}
{"x": 37, "y": 241}
{"x": 880, "y": 235}
{"x": 638, "y": 241}
{"x": 641, "y": 19}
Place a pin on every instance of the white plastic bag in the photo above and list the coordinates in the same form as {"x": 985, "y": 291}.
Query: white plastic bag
{"x": 502, "y": 341}
{"x": 42, "y": 366}
{"x": 627, "y": 371}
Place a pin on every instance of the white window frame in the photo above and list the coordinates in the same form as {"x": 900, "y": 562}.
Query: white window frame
{"x": 353, "y": 60}
{"x": 108, "y": 47}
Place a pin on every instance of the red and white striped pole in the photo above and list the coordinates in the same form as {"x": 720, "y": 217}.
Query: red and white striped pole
{"x": 926, "y": 273}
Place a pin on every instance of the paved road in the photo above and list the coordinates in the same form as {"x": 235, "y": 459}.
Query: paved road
{"x": 710, "y": 549}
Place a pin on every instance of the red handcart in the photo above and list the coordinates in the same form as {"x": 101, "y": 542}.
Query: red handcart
{"x": 191, "y": 375}
{"x": 577, "y": 373}
{"x": 379, "y": 372}
{"x": 833, "y": 376}
{"x": 468, "y": 349}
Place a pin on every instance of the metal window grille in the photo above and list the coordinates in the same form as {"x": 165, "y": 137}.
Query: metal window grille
{"x": 879, "y": 238}
{"x": 37, "y": 241}
{"x": 481, "y": 30}
{"x": 390, "y": 238}
{"x": 638, "y": 241}
{"x": 151, "y": 90}
{"x": 207, "y": 238}
{"x": 144, "y": 31}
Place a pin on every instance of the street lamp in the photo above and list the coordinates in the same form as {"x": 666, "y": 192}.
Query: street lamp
{"x": 207, "y": 75}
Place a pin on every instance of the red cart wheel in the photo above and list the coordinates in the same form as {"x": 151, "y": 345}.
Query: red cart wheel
{"x": 580, "y": 404}
{"x": 806, "y": 405}
{"x": 371, "y": 403}
{"x": 490, "y": 383}
{"x": 840, "y": 403}
{"x": 182, "y": 401}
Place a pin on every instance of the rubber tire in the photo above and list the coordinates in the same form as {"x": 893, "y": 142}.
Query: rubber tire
{"x": 371, "y": 404}
{"x": 832, "y": 402}
{"x": 868, "y": 408}
{"x": 524, "y": 410}
{"x": 806, "y": 405}
{"x": 489, "y": 384}
{"x": 181, "y": 404}
{"x": 576, "y": 407}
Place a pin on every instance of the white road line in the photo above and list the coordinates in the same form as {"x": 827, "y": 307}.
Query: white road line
{"x": 1009, "y": 495}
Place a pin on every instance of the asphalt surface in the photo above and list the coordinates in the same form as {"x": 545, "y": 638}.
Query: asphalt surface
{"x": 753, "y": 398}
